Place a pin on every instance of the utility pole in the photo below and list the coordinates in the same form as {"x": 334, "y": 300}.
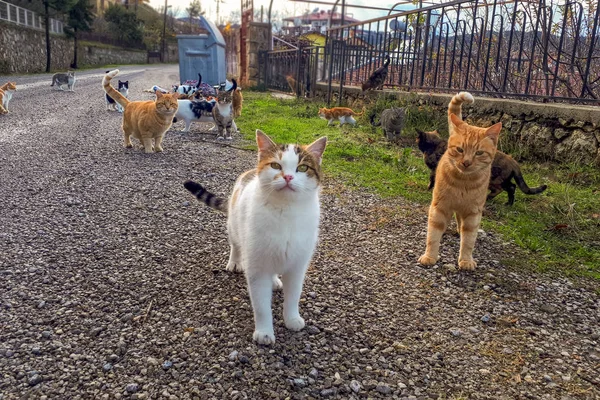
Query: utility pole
{"x": 164, "y": 32}
{"x": 218, "y": 2}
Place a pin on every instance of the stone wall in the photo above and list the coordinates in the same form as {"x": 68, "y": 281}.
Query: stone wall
{"x": 23, "y": 50}
{"x": 259, "y": 39}
{"x": 90, "y": 55}
{"x": 548, "y": 132}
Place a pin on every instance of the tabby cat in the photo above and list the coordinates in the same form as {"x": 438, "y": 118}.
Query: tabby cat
{"x": 223, "y": 112}
{"x": 392, "y": 122}
{"x": 343, "y": 114}
{"x": 238, "y": 99}
{"x": 377, "y": 78}
{"x": 462, "y": 180}
{"x": 504, "y": 168}
{"x": 146, "y": 121}
{"x": 61, "y": 79}
{"x": 273, "y": 226}
{"x": 6, "y": 93}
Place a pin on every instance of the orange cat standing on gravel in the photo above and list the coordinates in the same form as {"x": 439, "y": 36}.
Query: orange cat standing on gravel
{"x": 343, "y": 114}
{"x": 6, "y": 92}
{"x": 146, "y": 121}
{"x": 461, "y": 184}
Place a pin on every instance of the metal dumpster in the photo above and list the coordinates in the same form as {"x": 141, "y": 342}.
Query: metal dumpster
{"x": 203, "y": 54}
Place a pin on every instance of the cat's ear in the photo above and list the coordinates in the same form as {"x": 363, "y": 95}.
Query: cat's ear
{"x": 493, "y": 132}
{"x": 263, "y": 141}
{"x": 159, "y": 94}
{"x": 455, "y": 121}
{"x": 317, "y": 148}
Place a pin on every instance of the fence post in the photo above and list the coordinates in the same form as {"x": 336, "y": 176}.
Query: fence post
{"x": 298, "y": 60}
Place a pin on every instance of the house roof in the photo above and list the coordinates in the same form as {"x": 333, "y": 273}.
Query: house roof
{"x": 321, "y": 15}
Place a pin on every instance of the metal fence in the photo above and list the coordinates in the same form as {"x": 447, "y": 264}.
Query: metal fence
{"x": 22, "y": 16}
{"x": 295, "y": 70}
{"x": 518, "y": 49}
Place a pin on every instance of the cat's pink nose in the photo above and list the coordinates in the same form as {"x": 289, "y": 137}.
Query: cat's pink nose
{"x": 288, "y": 178}
{"x": 467, "y": 163}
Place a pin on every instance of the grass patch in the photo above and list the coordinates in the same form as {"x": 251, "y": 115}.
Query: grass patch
{"x": 560, "y": 228}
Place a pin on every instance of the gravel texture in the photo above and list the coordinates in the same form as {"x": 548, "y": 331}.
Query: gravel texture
{"x": 113, "y": 282}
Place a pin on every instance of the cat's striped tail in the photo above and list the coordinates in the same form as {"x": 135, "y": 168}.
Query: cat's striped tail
{"x": 206, "y": 197}
{"x": 115, "y": 94}
{"x": 455, "y": 106}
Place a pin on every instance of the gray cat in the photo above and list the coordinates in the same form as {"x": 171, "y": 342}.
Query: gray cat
{"x": 392, "y": 122}
{"x": 61, "y": 79}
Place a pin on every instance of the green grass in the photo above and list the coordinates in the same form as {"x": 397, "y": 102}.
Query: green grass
{"x": 361, "y": 157}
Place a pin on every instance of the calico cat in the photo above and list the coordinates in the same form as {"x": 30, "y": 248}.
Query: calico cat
{"x": 377, "y": 78}
{"x": 343, "y": 114}
{"x": 61, "y": 79}
{"x": 504, "y": 168}
{"x": 6, "y": 93}
{"x": 273, "y": 225}
{"x": 188, "y": 89}
{"x": 146, "y": 121}
{"x": 238, "y": 99}
{"x": 223, "y": 112}
{"x": 111, "y": 104}
{"x": 392, "y": 121}
{"x": 462, "y": 179}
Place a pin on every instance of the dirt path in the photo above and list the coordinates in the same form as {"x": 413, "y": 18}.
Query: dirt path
{"x": 112, "y": 282}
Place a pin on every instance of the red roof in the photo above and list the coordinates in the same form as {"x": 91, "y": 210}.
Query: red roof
{"x": 321, "y": 16}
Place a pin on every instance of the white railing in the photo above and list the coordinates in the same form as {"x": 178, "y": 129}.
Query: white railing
{"x": 22, "y": 16}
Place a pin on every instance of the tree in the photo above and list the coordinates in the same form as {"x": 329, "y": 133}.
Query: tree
{"x": 194, "y": 10}
{"x": 80, "y": 19}
{"x": 59, "y": 6}
{"x": 124, "y": 23}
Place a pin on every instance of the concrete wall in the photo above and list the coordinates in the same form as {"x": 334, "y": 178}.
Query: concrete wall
{"x": 548, "y": 132}
{"x": 23, "y": 50}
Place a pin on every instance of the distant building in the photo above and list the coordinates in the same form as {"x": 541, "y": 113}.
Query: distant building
{"x": 315, "y": 21}
{"x": 101, "y": 5}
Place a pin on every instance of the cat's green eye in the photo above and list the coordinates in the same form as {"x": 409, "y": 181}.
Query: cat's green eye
{"x": 459, "y": 149}
{"x": 275, "y": 165}
{"x": 302, "y": 168}
{"x": 479, "y": 152}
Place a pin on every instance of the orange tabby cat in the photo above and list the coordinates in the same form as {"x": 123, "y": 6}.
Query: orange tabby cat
{"x": 461, "y": 184}
{"x": 146, "y": 121}
{"x": 238, "y": 99}
{"x": 343, "y": 114}
{"x": 6, "y": 92}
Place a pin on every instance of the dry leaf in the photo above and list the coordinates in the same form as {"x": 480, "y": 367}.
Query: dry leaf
{"x": 558, "y": 227}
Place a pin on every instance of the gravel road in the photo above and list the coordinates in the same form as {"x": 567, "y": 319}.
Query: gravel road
{"x": 113, "y": 281}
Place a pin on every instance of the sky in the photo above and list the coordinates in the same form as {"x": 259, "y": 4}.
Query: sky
{"x": 291, "y": 7}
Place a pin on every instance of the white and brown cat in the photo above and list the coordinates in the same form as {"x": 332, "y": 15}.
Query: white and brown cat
{"x": 273, "y": 225}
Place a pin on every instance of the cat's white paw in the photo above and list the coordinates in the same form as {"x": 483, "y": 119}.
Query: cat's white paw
{"x": 234, "y": 267}
{"x": 277, "y": 284}
{"x": 295, "y": 324}
{"x": 264, "y": 337}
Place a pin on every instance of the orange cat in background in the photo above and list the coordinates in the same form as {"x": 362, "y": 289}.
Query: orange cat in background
{"x": 461, "y": 184}
{"x": 6, "y": 92}
{"x": 146, "y": 121}
{"x": 343, "y": 114}
{"x": 237, "y": 100}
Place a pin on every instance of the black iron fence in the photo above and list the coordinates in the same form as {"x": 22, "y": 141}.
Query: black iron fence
{"x": 294, "y": 71}
{"x": 519, "y": 48}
